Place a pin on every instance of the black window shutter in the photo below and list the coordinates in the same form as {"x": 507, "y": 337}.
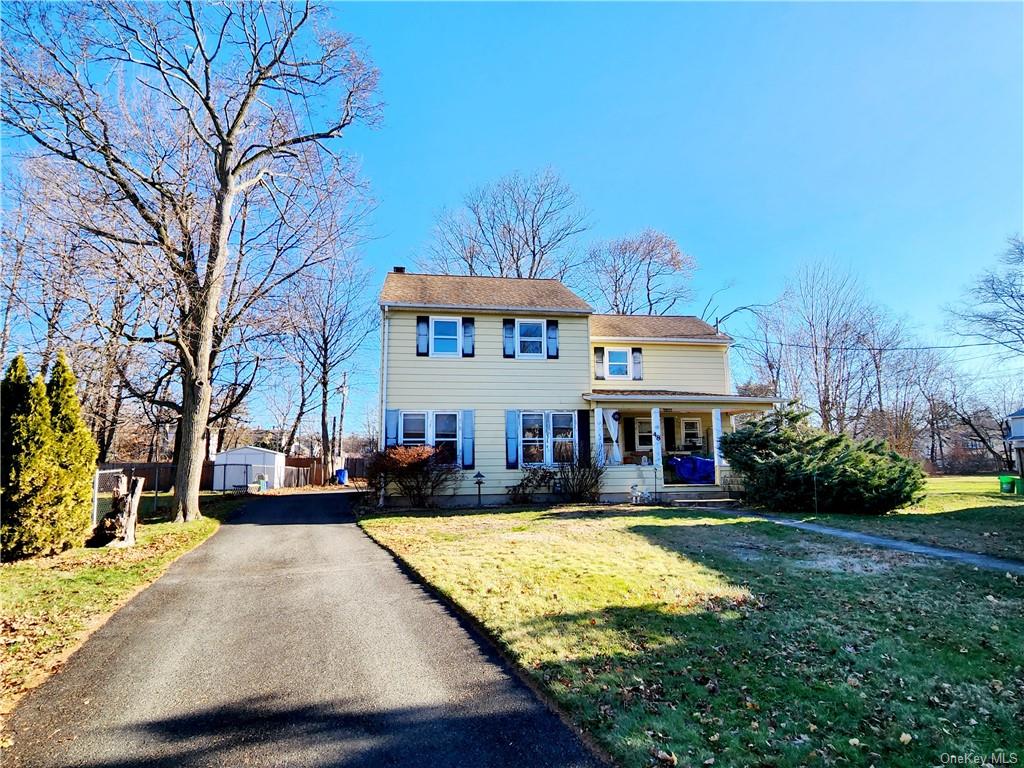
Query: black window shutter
{"x": 508, "y": 334}
{"x": 583, "y": 436}
{"x": 670, "y": 434}
{"x": 638, "y": 364}
{"x": 598, "y": 362}
{"x": 468, "y": 337}
{"x": 422, "y": 336}
{"x": 629, "y": 432}
{"x": 552, "y": 339}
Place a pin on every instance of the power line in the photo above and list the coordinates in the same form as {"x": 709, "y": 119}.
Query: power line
{"x": 866, "y": 348}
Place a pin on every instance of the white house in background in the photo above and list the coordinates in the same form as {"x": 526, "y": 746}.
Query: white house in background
{"x": 1015, "y": 439}
{"x": 503, "y": 374}
{"x": 240, "y": 467}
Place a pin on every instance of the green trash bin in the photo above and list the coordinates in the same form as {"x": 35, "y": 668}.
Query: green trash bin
{"x": 1007, "y": 482}
{"x": 1020, "y": 485}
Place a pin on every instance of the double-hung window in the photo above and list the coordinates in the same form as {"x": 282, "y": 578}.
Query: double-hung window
{"x": 644, "y": 435}
{"x": 445, "y": 336}
{"x": 437, "y": 428}
{"x": 563, "y": 438}
{"x": 446, "y": 436}
{"x": 413, "y": 428}
{"x": 691, "y": 432}
{"x": 547, "y": 438}
{"x": 619, "y": 363}
{"x": 530, "y": 338}
{"x": 532, "y": 438}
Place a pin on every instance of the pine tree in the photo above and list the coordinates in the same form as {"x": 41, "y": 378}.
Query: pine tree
{"x": 31, "y": 479}
{"x": 75, "y": 452}
{"x": 14, "y": 392}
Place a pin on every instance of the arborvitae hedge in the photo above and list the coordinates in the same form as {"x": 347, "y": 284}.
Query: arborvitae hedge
{"x": 788, "y": 466}
{"x": 76, "y": 452}
{"x": 48, "y": 462}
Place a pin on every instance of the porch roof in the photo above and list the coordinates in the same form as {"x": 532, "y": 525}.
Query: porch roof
{"x": 676, "y": 396}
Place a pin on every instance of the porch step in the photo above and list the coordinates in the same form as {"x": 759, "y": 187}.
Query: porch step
{"x": 705, "y": 501}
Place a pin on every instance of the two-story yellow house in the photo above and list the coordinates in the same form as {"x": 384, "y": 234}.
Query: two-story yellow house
{"x": 505, "y": 373}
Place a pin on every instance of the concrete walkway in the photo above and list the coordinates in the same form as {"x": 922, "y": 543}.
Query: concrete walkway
{"x": 288, "y": 639}
{"x": 967, "y": 558}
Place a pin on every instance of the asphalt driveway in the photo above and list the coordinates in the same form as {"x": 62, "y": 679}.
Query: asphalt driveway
{"x": 287, "y": 639}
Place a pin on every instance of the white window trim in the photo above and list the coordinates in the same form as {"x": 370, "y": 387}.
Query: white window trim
{"x": 426, "y": 425}
{"x": 549, "y": 437}
{"x": 682, "y": 429}
{"x": 608, "y": 363}
{"x": 636, "y": 436}
{"x": 575, "y": 436}
{"x": 543, "y": 340}
{"x": 428, "y": 429}
{"x": 458, "y": 336}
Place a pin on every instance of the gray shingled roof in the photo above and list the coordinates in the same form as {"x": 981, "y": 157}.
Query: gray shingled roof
{"x": 465, "y": 292}
{"x": 653, "y": 327}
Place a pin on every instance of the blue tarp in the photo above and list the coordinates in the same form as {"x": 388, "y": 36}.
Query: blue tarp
{"x": 693, "y": 469}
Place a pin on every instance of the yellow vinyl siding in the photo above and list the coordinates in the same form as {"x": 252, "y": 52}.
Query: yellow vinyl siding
{"x": 487, "y": 383}
{"x": 678, "y": 367}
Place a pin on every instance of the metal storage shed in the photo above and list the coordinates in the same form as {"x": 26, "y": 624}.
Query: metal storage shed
{"x": 238, "y": 468}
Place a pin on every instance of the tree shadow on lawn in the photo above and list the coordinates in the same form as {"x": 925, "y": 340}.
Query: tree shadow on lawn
{"x": 270, "y": 730}
{"x": 818, "y": 654}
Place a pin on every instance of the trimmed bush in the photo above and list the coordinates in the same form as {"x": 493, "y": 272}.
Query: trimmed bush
{"x": 75, "y": 451}
{"x": 788, "y": 466}
{"x": 416, "y": 470}
{"x": 581, "y": 482}
{"x": 30, "y": 476}
{"x": 533, "y": 479}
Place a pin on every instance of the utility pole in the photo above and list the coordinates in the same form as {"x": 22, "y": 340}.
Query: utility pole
{"x": 341, "y": 418}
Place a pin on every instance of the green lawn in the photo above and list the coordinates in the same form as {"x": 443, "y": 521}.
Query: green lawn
{"x": 674, "y": 635}
{"x": 961, "y": 512}
{"x": 47, "y": 603}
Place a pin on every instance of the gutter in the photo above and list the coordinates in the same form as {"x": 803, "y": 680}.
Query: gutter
{"x": 737, "y": 399}
{"x": 470, "y": 307}
{"x": 727, "y": 341}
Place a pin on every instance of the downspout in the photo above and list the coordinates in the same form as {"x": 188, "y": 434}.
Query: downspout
{"x": 382, "y": 437}
{"x": 383, "y": 378}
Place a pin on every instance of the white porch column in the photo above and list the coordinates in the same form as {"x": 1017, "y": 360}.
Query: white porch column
{"x": 716, "y": 434}
{"x": 599, "y": 436}
{"x": 656, "y": 437}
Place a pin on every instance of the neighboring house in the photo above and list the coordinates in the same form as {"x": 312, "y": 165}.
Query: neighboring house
{"x": 1014, "y": 440}
{"x": 504, "y": 373}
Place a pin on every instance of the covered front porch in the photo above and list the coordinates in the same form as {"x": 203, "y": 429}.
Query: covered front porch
{"x": 663, "y": 444}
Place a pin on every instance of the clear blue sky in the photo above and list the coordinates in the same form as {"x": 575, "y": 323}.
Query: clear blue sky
{"x": 759, "y": 136}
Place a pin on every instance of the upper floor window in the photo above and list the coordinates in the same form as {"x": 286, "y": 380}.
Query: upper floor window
{"x": 530, "y": 338}
{"x": 620, "y": 363}
{"x": 445, "y": 339}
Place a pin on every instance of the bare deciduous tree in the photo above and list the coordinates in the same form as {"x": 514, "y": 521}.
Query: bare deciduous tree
{"x": 518, "y": 226}
{"x": 213, "y": 128}
{"x": 646, "y": 274}
{"x": 995, "y": 307}
{"x": 331, "y": 317}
